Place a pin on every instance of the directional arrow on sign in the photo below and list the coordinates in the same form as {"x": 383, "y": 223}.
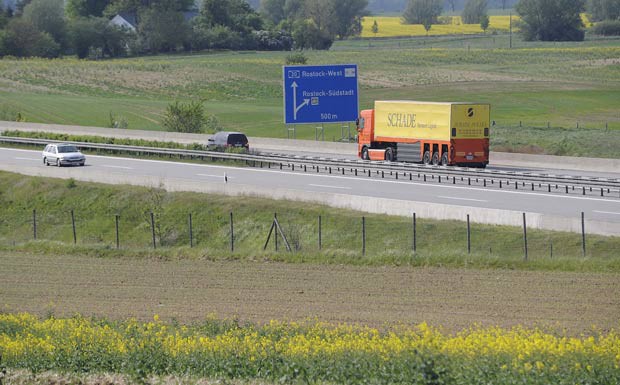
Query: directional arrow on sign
{"x": 297, "y": 108}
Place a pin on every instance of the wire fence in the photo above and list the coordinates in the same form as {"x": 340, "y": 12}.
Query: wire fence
{"x": 252, "y": 234}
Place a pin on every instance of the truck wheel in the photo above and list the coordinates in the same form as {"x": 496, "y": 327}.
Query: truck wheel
{"x": 426, "y": 159}
{"x": 389, "y": 154}
{"x": 444, "y": 159}
{"x": 365, "y": 153}
{"x": 435, "y": 158}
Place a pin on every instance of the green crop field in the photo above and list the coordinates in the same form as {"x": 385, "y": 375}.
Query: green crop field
{"x": 540, "y": 93}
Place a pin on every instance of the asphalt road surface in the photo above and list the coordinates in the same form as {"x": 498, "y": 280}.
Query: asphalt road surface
{"x": 108, "y": 168}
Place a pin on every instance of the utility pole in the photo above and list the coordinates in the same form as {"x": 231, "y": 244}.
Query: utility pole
{"x": 510, "y": 29}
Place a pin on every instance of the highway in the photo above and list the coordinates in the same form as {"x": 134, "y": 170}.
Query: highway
{"x": 270, "y": 182}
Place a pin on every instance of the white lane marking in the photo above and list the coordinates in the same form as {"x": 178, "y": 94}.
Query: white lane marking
{"x": 608, "y": 200}
{"x": 328, "y": 186}
{"x": 605, "y": 212}
{"x": 216, "y": 176}
{"x": 461, "y": 199}
{"x": 121, "y": 167}
{"x": 20, "y": 158}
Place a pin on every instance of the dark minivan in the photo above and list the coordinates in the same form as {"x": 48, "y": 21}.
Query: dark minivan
{"x": 224, "y": 140}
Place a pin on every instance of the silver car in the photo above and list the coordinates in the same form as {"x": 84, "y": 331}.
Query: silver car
{"x": 63, "y": 155}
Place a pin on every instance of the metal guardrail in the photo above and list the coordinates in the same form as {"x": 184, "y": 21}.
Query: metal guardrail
{"x": 490, "y": 179}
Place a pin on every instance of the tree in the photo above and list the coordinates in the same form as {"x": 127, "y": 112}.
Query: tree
{"x": 162, "y": 30}
{"x": 484, "y": 22}
{"x": 473, "y": 11}
{"x": 76, "y": 8}
{"x": 306, "y": 34}
{"x": 273, "y": 10}
{"x": 551, "y": 20}
{"x": 134, "y": 6}
{"x": 47, "y": 16}
{"x": 604, "y": 9}
{"x": 348, "y": 17}
{"x": 452, "y": 4}
{"x": 22, "y": 39}
{"x": 234, "y": 14}
{"x": 88, "y": 34}
{"x": 20, "y": 5}
{"x": 185, "y": 117}
{"x": 375, "y": 28}
{"x": 423, "y": 12}
{"x": 3, "y": 17}
{"x": 323, "y": 14}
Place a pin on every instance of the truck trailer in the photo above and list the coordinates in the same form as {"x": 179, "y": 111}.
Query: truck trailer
{"x": 425, "y": 132}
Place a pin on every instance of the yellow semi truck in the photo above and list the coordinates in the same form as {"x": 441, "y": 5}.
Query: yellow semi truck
{"x": 427, "y": 132}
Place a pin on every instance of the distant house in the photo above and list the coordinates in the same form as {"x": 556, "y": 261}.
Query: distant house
{"x": 125, "y": 20}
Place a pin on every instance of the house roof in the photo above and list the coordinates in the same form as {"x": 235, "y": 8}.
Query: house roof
{"x": 130, "y": 17}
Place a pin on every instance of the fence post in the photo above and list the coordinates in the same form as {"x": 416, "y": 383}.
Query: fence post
{"x": 551, "y": 248}
{"x": 232, "y": 234}
{"x": 525, "y": 236}
{"x": 275, "y": 218}
{"x": 73, "y": 225}
{"x": 320, "y": 240}
{"x": 153, "y": 229}
{"x": 468, "y": 236}
{"x": 34, "y": 223}
{"x": 363, "y": 236}
{"x": 415, "y": 246}
{"x": 118, "y": 244}
{"x": 583, "y": 234}
{"x": 191, "y": 232}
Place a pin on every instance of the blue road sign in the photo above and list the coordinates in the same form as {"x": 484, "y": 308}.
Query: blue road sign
{"x": 320, "y": 94}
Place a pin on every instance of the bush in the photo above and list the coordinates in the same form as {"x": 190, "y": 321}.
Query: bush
{"x": 607, "y": 28}
{"x": 185, "y": 117}
{"x": 296, "y": 58}
{"x": 117, "y": 121}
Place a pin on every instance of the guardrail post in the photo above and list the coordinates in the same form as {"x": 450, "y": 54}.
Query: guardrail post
{"x": 34, "y": 223}
{"x": 73, "y": 225}
{"x": 525, "y": 236}
{"x": 583, "y": 234}
{"x": 153, "y": 229}
{"x": 118, "y": 244}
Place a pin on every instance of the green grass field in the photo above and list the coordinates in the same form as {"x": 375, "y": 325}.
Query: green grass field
{"x": 534, "y": 85}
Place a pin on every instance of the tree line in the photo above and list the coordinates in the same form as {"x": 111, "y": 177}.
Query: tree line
{"x": 50, "y": 28}
{"x": 545, "y": 20}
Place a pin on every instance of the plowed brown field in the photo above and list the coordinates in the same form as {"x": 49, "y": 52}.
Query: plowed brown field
{"x": 190, "y": 290}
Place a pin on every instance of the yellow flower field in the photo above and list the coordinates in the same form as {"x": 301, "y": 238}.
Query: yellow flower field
{"x": 393, "y": 26}
{"x": 307, "y": 352}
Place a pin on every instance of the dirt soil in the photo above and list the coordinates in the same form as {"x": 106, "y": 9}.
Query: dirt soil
{"x": 190, "y": 290}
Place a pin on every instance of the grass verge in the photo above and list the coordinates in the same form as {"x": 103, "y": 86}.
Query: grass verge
{"x": 389, "y": 240}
